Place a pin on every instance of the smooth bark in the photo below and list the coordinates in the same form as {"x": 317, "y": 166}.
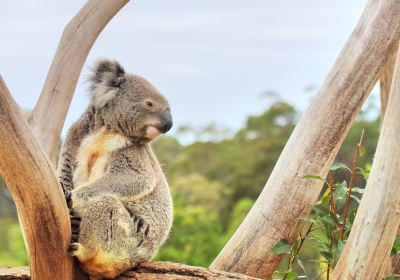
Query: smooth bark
{"x": 385, "y": 82}
{"x": 36, "y": 192}
{"x": 313, "y": 145}
{"x": 378, "y": 216}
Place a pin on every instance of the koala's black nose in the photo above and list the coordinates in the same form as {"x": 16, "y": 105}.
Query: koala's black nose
{"x": 166, "y": 121}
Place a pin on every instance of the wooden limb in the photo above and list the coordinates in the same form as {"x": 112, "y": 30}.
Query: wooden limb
{"x": 385, "y": 81}
{"x": 148, "y": 271}
{"x": 386, "y": 76}
{"x": 378, "y": 216}
{"x": 77, "y": 40}
{"x": 313, "y": 145}
{"x": 36, "y": 192}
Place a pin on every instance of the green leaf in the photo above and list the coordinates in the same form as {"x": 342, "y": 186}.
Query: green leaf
{"x": 358, "y": 190}
{"x": 352, "y": 216}
{"x": 282, "y": 247}
{"x": 339, "y": 195}
{"x": 291, "y": 275}
{"x": 396, "y": 247}
{"x": 339, "y": 165}
{"x": 356, "y": 198}
{"x": 311, "y": 220}
{"x": 278, "y": 275}
{"x": 320, "y": 210}
{"x": 340, "y": 247}
{"x": 301, "y": 265}
{"x": 313, "y": 177}
{"x": 328, "y": 220}
{"x": 391, "y": 277}
{"x": 327, "y": 255}
{"x": 362, "y": 151}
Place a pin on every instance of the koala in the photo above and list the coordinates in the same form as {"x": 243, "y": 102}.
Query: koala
{"x": 119, "y": 199}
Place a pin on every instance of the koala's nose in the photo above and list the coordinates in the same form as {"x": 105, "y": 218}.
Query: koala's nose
{"x": 166, "y": 121}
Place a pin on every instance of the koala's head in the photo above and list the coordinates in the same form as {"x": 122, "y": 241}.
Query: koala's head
{"x": 128, "y": 103}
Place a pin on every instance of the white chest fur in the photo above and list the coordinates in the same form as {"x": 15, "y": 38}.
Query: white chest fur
{"x": 94, "y": 153}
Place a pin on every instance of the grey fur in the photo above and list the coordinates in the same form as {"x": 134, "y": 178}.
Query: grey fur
{"x": 126, "y": 213}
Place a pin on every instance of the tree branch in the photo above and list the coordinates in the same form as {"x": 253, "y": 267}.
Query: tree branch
{"x": 77, "y": 40}
{"x": 378, "y": 216}
{"x": 313, "y": 145}
{"x": 36, "y": 192}
{"x": 148, "y": 271}
{"x": 385, "y": 81}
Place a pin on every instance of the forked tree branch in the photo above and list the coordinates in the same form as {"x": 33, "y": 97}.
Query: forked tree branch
{"x": 77, "y": 40}
{"x": 313, "y": 145}
{"x": 149, "y": 271}
{"x": 36, "y": 192}
{"x": 378, "y": 216}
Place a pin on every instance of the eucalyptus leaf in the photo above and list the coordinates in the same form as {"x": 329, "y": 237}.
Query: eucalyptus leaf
{"x": 313, "y": 177}
{"x": 396, "y": 247}
{"x": 358, "y": 190}
{"x": 339, "y": 165}
{"x": 301, "y": 265}
{"x": 282, "y": 247}
{"x": 356, "y": 198}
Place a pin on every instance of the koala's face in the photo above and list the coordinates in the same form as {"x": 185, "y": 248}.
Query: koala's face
{"x": 129, "y": 104}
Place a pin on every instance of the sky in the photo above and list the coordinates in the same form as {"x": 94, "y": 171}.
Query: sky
{"x": 213, "y": 59}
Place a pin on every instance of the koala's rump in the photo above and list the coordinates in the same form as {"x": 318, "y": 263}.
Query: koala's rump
{"x": 117, "y": 236}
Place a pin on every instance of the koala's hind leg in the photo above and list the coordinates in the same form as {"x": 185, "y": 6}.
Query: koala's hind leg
{"x": 107, "y": 238}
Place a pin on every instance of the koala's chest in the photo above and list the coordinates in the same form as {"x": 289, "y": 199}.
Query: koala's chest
{"x": 94, "y": 153}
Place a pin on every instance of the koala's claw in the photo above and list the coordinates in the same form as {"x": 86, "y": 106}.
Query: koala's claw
{"x": 68, "y": 198}
{"x": 141, "y": 228}
{"x": 72, "y": 248}
{"x": 75, "y": 225}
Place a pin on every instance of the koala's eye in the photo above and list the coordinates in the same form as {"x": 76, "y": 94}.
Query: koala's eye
{"x": 149, "y": 103}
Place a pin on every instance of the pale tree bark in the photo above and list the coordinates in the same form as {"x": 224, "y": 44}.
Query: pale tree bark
{"x": 313, "y": 145}
{"x": 36, "y": 192}
{"x": 77, "y": 40}
{"x": 149, "y": 271}
{"x": 385, "y": 81}
{"x": 386, "y": 77}
{"x": 378, "y": 216}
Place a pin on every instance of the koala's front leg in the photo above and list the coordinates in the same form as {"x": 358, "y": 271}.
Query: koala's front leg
{"x": 126, "y": 186}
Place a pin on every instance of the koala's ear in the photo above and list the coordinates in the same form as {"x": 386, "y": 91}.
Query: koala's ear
{"x": 106, "y": 78}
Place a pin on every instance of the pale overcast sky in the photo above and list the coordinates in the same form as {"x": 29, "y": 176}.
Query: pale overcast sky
{"x": 211, "y": 58}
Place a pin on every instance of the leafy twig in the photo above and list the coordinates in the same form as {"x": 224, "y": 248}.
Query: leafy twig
{"x": 293, "y": 255}
{"x": 353, "y": 173}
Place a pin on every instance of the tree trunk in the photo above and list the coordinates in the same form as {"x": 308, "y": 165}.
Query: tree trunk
{"x": 148, "y": 271}
{"x": 378, "y": 216}
{"x": 313, "y": 145}
{"x": 386, "y": 76}
{"x": 36, "y": 192}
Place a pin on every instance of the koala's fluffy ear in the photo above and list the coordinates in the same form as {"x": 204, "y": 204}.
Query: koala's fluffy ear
{"x": 106, "y": 78}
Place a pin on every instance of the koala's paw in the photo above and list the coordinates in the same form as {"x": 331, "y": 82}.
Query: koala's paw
{"x": 75, "y": 225}
{"x": 141, "y": 228}
{"x": 73, "y": 248}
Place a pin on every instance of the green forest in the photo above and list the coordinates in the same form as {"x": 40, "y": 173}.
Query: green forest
{"x": 214, "y": 182}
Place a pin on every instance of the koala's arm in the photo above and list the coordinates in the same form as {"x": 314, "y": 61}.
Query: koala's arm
{"x": 123, "y": 180}
{"x": 67, "y": 161}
